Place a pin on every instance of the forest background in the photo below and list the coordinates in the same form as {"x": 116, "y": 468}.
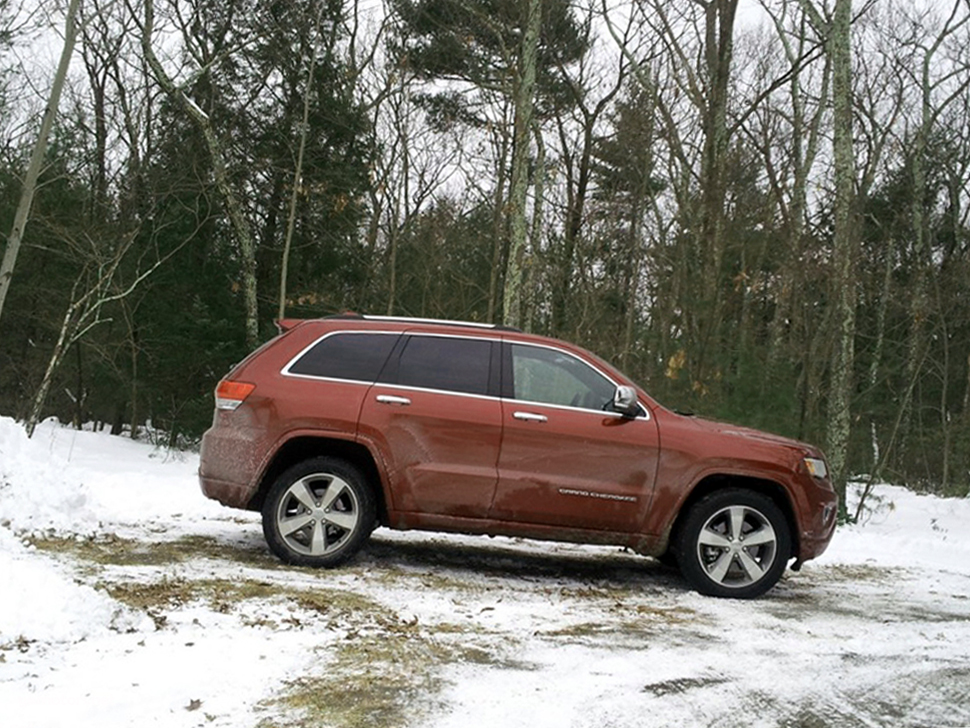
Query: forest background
{"x": 759, "y": 213}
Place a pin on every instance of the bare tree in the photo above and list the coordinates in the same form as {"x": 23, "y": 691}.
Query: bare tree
{"x": 37, "y": 156}
{"x": 939, "y": 85}
{"x": 802, "y": 113}
{"x": 836, "y": 31}
{"x": 523, "y": 100}
{"x": 298, "y": 170}
{"x": 234, "y": 209}
{"x": 100, "y": 282}
{"x": 593, "y": 87}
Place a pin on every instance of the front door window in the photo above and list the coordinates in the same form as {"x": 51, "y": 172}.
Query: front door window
{"x": 550, "y": 376}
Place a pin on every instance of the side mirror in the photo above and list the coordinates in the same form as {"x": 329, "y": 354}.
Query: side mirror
{"x": 625, "y": 401}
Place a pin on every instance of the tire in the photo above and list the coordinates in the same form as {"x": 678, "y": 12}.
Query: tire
{"x": 734, "y": 543}
{"x": 318, "y": 513}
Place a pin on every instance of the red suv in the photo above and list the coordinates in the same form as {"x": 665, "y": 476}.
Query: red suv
{"x": 344, "y": 423}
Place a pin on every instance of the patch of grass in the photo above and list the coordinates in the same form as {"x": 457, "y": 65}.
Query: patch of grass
{"x": 860, "y": 572}
{"x": 167, "y": 593}
{"x": 112, "y": 550}
{"x": 222, "y": 595}
{"x": 21, "y": 644}
{"x": 333, "y": 602}
{"x": 478, "y": 656}
{"x": 642, "y": 621}
{"x": 613, "y": 630}
{"x": 626, "y": 625}
{"x": 610, "y": 631}
{"x": 839, "y": 712}
{"x": 582, "y": 629}
{"x": 681, "y": 685}
{"x": 385, "y": 673}
{"x": 668, "y": 615}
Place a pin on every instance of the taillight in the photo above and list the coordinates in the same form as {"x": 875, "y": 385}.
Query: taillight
{"x": 230, "y": 395}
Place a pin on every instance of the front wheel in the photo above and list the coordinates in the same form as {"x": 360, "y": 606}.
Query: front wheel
{"x": 318, "y": 513}
{"x": 734, "y": 543}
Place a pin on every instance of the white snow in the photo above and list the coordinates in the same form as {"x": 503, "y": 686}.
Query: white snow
{"x": 876, "y": 632}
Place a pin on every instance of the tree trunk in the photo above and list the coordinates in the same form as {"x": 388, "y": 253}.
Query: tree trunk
{"x": 576, "y": 193}
{"x": 524, "y": 101}
{"x": 298, "y": 172}
{"x": 63, "y": 341}
{"x": 37, "y": 156}
{"x": 498, "y": 231}
{"x": 804, "y": 149}
{"x": 876, "y": 363}
{"x": 718, "y": 51}
{"x": 398, "y": 220}
{"x": 839, "y": 421}
{"x": 539, "y": 185}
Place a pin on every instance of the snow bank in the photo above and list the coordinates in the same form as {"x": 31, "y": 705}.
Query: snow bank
{"x": 39, "y": 603}
{"x": 68, "y": 481}
{"x": 37, "y": 495}
{"x": 903, "y": 528}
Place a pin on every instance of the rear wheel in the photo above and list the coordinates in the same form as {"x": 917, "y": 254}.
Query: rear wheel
{"x": 734, "y": 543}
{"x": 318, "y": 513}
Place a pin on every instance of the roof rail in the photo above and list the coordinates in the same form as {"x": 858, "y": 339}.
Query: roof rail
{"x": 409, "y": 319}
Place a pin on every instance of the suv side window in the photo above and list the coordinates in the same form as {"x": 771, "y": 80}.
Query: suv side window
{"x": 355, "y": 356}
{"x": 451, "y": 364}
{"x": 549, "y": 376}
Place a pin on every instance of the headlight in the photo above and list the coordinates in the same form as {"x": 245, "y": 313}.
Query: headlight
{"x": 816, "y": 466}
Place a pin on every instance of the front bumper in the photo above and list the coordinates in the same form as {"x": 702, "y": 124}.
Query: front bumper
{"x": 816, "y": 536}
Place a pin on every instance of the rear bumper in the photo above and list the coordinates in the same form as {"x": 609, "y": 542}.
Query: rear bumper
{"x": 229, "y": 494}
{"x": 229, "y": 465}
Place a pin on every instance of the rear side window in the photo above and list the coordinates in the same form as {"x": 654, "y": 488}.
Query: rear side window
{"x": 454, "y": 365}
{"x": 358, "y": 357}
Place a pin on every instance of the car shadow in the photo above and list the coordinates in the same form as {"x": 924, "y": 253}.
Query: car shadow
{"x": 618, "y": 567}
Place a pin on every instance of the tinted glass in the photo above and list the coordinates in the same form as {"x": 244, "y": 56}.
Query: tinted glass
{"x": 455, "y": 365}
{"x": 355, "y": 356}
{"x": 554, "y": 377}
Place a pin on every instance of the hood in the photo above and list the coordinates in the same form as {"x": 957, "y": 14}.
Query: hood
{"x": 747, "y": 433}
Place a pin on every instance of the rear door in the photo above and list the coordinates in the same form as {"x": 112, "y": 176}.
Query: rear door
{"x": 566, "y": 459}
{"x": 336, "y": 370}
{"x": 437, "y": 418}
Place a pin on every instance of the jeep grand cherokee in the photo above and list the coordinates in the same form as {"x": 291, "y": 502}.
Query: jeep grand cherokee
{"x": 344, "y": 423}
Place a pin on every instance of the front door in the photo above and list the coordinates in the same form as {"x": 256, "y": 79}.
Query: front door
{"x": 567, "y": 460}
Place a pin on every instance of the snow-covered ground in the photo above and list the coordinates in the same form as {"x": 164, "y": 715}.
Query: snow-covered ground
{"x": 128, "y": 599}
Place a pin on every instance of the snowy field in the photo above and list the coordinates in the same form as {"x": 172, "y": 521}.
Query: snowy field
{"x": 128, "y": 599}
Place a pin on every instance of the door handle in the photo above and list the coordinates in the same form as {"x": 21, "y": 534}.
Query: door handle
{"x": 529, "y": 417}
{"x": 392, "y": 399}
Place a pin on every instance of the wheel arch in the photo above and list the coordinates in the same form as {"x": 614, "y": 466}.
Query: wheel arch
{"x": 721, "y": 481}
{"x": 304, "y": 447}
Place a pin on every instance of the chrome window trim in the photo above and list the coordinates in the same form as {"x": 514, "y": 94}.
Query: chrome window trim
{"x": 410, "y": 388}
{"x": 316, "y": 378}
{"x": 391, "y": 388}
{"x": 644, "y": 412}
{"x": 285, "y": 371}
